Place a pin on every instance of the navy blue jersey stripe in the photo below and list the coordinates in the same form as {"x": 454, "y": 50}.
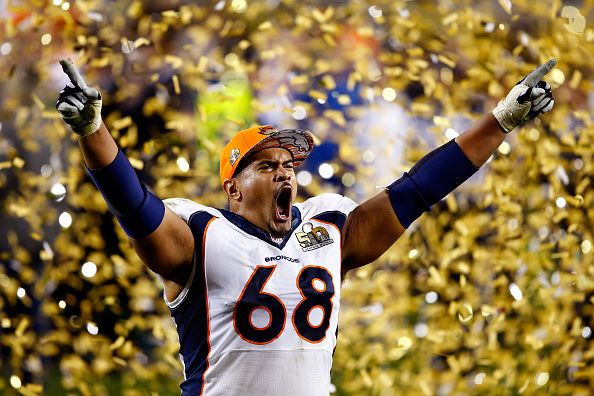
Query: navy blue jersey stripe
{"x": 191, "y": 316}
{"x": 333, "y": 216}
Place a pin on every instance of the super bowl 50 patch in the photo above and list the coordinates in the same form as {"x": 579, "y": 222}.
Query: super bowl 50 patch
{"x": 311, "y": 238}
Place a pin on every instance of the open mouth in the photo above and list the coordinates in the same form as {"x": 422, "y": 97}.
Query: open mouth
{"x": 283, "y": 203}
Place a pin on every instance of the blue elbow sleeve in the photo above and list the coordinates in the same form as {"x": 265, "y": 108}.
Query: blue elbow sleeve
{"x": 138, "y": 211}
{"x": 432, "y": 178}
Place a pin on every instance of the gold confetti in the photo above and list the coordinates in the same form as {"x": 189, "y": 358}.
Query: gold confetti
{"x": 38, "y": 102}
{"x": 576, "y": 21}
{"x": 21, "y": 327}
{"x": 449, "y": 19}
{"x": 202, "y": 63}
{"x": 265, "y": 25}
{"x": 121, "y": 123}
{"x": 506, "y": 5}
{"x": 315, "y": 94}
{"x": 139, "y": 42}
{"x": 175, "y": 61}
{"x": 557, "y": 77}
{"x": 335, "y": 116}
{"x": 328, "y": 82}
{"x": 299, "y": 79}
{"x": 136, "y": 163}
{"x": 175, "y": 80}
{"x": 18, "y": 162}
{"x": 329, "y": 39}
{"x": 576, "y": 78}
{"x": 435, "y": 313}
{"x": 170, "y": 14}
{"x": 323, "y": 17}
{"x": 244, "y": 44}
{"x": 344, "y": 100}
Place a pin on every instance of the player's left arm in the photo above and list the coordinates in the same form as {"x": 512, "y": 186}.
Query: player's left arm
{"x": 372, "y": 227}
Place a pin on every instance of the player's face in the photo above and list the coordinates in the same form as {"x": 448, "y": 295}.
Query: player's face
{"x": 268, "y": 188}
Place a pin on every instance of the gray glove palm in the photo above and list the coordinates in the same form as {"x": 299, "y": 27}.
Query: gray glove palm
{"x": 78, "y": 104}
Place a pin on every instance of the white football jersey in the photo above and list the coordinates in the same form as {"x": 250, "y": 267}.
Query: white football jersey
{"x": 259, "y": 316}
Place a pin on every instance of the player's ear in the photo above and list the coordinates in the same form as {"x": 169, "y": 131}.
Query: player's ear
{"x": 231, "y": 188}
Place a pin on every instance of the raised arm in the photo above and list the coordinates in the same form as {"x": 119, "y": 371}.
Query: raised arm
{"x": 376, "y": 224}
{"x": 163, "y": 241}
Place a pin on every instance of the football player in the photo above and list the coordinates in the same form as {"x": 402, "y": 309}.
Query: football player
{"x": 255, "y": 290}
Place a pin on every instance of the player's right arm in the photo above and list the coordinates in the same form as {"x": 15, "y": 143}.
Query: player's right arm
{"x": 373, "y": 226}
{"x": 162, "y": 240}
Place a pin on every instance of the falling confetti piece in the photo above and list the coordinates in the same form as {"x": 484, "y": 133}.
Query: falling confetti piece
{"x": 576, "y": 21}
{"x": 512, "y": 243}
{"x": 465, "y": 313}
{"x": 175, "y": 61}
{"x": 176, "y": 88}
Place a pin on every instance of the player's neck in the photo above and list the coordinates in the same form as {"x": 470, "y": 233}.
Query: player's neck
{"x": 257, "y": 221}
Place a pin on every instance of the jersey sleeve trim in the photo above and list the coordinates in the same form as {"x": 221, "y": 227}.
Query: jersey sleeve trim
{"x": 182, "y": 296}
{"x": 333, "y": 217}
{"x": 198, "y": 222}
{"x": 185, "y": 208}
{"x": 326, "y": 203}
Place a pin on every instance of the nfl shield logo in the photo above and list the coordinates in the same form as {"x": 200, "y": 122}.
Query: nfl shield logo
{"x": 235, "y": 154}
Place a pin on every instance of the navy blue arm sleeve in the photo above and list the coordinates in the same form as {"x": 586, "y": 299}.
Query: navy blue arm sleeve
{"x": 432, "y": 178}
{"x": 138, "y": 211}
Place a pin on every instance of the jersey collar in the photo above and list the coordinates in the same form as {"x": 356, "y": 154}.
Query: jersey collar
{"x": 253, "y": 230}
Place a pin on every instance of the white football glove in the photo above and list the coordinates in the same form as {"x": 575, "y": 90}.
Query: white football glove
{"x": 529, "y": 98}
{"x": 78, "y": 104}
